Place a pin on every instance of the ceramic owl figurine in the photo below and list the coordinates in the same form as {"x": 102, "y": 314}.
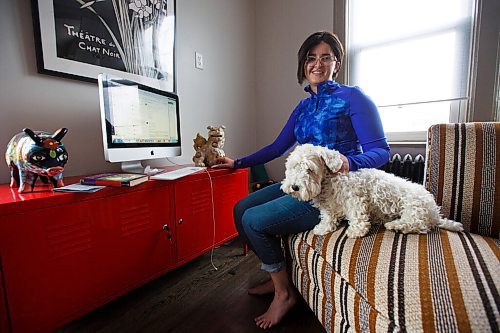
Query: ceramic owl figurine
{"x": 36, "y": 154}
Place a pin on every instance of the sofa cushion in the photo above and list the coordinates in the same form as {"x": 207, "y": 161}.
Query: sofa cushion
{"x": 386, "y": 281}
{"x": 463, "y": 168}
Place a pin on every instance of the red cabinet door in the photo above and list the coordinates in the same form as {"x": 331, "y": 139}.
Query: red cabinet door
{"x": 48, "y": 265}
{"x": 193, "y": 217}
{"x": 135, "y": 248}
{"x": 228, "y": 190}
{"x": 63, "y": 261}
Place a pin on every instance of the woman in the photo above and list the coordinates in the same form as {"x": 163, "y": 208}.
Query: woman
{"x": 335, "y": 116}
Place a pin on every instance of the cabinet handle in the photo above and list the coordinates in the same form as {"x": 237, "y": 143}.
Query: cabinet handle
{"x": 166, "y": 228}
{"x": 180, "y": 221}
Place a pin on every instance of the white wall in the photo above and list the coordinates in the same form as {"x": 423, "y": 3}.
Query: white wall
{"x": 223, "y": 93}
{"x": 282, "y": 26}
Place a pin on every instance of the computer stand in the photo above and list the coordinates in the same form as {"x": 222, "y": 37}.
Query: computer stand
{"x": 133, "y": 167}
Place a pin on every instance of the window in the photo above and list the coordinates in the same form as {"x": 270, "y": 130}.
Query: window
{"x": 412, "y": 58}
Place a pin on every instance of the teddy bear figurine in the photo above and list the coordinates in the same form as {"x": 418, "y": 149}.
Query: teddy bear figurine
{"x": 208, "y": 150}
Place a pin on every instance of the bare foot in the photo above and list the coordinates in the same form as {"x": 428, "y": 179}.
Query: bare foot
{"x": 281, "y": 304}
{"x": 263, "y": 288}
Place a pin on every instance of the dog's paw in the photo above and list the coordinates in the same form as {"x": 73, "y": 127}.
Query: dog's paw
{"x": 357, "y": 231}
{"x": 451, "y": 225}
{"x": 391, "y": 225}
{"x": 322, "y": 229}
{"x": 408, "y": 226}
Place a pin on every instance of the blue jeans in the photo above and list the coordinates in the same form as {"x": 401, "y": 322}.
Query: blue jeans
{"x": 269, "y": 212}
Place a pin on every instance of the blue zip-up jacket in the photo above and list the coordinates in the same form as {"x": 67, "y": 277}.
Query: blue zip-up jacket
{"x": 339, "y": 117}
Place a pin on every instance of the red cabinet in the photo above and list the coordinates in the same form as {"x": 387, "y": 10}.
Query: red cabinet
{"x": 64, "y": 254}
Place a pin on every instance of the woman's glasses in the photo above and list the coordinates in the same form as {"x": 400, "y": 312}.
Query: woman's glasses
{"x": 323, "y": 60}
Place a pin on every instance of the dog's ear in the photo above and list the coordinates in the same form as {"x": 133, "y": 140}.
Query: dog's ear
{"x": 331, "y": 158}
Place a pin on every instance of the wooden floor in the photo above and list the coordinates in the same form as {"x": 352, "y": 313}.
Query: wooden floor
{"x": 197, "y": 298}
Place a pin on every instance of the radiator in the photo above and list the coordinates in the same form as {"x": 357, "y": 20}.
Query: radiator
{"x": 409, "y": 167}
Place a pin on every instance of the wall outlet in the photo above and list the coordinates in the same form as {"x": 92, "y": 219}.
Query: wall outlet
{"x": 198, "y": 63}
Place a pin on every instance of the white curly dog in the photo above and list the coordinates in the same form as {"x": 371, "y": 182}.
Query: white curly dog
{"x": 361, "y": 197}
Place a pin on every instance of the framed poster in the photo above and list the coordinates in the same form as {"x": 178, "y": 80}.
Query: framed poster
{"x": 132, "y": 39}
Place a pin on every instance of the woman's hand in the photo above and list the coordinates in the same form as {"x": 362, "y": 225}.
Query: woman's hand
{"x": 345, "y": 164}
{"x": 223, "y": 162}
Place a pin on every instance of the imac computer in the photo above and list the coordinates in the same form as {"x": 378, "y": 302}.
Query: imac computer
{"x": 138, "y": 122}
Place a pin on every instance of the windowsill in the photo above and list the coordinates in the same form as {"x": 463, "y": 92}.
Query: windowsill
{"x": 417, "y": 137}
{"x": 407, "y": 143}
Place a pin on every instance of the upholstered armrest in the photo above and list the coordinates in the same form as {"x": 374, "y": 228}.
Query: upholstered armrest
{"x": 463, "y": 173}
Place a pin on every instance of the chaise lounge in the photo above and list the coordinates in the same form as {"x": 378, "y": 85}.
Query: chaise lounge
{"x": 439, "y": 282}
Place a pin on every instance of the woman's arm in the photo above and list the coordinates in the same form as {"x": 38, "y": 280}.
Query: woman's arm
{"x": 368, "y": 127}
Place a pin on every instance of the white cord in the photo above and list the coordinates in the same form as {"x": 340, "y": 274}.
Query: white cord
{"x": 213, "y": 219}
{"x": 213, "y": 214}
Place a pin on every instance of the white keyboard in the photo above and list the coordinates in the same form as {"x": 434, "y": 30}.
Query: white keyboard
{"x": 176, "y": 174}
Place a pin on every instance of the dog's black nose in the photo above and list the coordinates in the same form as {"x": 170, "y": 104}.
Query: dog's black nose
{"x": 295, "y": 187}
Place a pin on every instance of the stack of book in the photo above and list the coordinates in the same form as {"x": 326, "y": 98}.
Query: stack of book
{"x": 115, "y": 179}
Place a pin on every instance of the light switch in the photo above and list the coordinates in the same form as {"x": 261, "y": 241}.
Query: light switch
{"x": 198, "y": 63}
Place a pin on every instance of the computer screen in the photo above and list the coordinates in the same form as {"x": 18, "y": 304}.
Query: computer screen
{"x": 138, "y": 122}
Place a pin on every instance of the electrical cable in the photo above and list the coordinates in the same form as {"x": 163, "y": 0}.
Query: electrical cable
{"x": 213, "y": 219}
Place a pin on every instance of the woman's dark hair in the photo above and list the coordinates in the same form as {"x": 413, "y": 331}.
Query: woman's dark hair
{"x": 313, "y": 40}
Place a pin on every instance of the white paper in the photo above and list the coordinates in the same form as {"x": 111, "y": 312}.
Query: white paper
{"x": 79, "y": 188}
